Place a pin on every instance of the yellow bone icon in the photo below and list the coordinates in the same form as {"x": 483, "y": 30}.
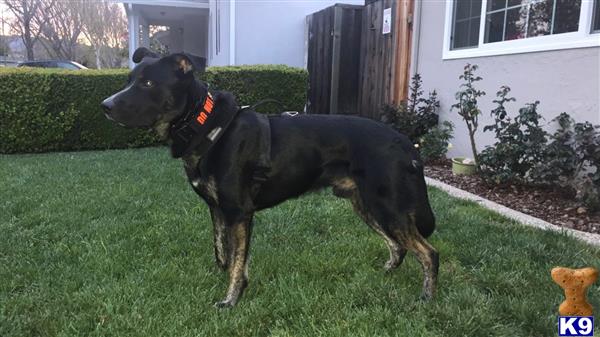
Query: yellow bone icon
{"x": 575, "y": 283}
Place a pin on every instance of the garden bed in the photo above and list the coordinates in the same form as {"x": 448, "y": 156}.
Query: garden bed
{"x": 552, "y": 205}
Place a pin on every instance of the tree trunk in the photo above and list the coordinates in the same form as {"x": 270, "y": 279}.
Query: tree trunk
{"x": 29, "y": 48}
{"x": 98, "y": 59}
{"x": 28, "y": 43}
{"x": 473, "y": 147}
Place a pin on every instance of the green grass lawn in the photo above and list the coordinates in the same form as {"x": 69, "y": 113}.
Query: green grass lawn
{"x": 115, "y": 243}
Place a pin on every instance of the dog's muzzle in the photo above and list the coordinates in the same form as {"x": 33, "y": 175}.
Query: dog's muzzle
{"x": 108, "y": 104}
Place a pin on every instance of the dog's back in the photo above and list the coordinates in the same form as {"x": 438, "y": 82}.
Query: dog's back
{"x": 314, "y": 151}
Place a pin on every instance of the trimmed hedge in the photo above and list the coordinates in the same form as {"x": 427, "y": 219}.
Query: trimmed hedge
{"x": 59, "y": 110}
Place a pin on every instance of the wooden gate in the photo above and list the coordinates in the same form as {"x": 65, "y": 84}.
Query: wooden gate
{"x": 333, "y": 59}
{"x": 353, "y": 67}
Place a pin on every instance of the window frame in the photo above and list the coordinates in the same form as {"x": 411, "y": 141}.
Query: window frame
{"x": 592, "y": 22}
{"x": 582, "y": 38}
{"x": 453, "y": 25}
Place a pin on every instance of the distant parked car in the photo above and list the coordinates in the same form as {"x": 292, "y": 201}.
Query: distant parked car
{"x": 71, "y": 65}
{"x": 8, "y": 64}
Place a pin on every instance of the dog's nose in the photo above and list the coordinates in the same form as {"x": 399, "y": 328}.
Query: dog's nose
{"x": 107, "y": 104}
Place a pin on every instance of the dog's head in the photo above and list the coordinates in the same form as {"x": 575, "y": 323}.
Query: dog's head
{"x": 156, "y": 91}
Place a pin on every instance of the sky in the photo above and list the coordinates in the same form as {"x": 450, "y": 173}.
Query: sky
{"x": 4, "y": 12}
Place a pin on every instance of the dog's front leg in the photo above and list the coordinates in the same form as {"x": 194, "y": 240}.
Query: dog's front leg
{"x": 238, "y": 234}
{"x": 220, "y": 238}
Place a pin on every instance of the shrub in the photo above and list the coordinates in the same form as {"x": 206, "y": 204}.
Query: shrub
{"x": 50, "y": 110}
{"x": 251, "y": 84}
{"x": 416, "y": 116}
{"x": 518, "y": 142}
{"x": 434, "y": 144}
{"x": 57, "y": 110}
{"x": 572, "y": 160}
{"x": 559, "y": 155}
{"x": 467, "y": 106}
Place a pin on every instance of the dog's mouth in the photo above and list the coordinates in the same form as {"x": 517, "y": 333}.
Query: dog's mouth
{"x": 109, "y": 117}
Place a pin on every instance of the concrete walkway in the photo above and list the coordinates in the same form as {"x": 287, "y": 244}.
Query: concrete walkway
{"x": 523, "y": 218}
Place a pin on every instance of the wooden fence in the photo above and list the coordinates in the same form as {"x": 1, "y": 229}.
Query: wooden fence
{"x": 353, "y": 67}
{"x": 333, "y": 60}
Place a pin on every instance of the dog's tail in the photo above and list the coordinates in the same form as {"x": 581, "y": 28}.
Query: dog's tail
{"x": 425, "y": 220}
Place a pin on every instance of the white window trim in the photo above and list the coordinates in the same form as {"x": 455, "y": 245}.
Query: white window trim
{"x": 580, "y": 39}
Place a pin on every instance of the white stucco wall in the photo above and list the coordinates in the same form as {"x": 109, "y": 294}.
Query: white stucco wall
{"x": 175, "y": 40}
{"x": 218, "y": 44}
{"x": 273, "y": 31}
{"x": 562, "y": 80}
{"x": 194, "y": 28}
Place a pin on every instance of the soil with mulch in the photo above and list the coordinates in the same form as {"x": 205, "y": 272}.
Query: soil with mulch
{"x": 550, "y": 204}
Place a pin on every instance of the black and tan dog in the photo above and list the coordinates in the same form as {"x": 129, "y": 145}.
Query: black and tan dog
{"x": 241, "y": 162}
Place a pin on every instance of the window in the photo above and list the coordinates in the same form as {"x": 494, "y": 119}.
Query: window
{"x": 66, "y": 65}
{"x": 467, "y": 15}
{"x": 518, "y": 19}
{"x": 596, "y": 25}
{"x": 495, "y": 27}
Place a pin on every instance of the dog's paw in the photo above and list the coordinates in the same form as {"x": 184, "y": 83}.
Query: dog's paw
{"x": 426, "y": 297}
{"x": 222, "y": 265}
{"x": 227, "y": 304}
{"x": 391, "y": 265}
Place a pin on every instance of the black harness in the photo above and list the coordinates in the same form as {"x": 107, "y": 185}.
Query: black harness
{"x": 200, "y": 128}
{"x": 204, "y": 125}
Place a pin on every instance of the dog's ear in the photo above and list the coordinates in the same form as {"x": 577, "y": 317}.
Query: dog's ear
{"x": 140, "y": 53}
{"x": 187, "y": 62}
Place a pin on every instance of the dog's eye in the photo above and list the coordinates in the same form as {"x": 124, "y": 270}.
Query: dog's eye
{"x": 148, "y": 83}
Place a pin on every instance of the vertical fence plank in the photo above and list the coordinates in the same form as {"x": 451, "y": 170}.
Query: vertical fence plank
{"x": 403, "y": 25}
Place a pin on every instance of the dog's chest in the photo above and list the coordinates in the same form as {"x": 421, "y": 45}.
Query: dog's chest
{"x": 205, "y": 186}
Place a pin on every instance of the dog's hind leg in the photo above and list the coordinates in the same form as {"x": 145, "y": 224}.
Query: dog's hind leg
{"x": 410, "y": 238}
{"x": 219, "y": 237}
{"x": 397, "y": 252}
{"x": 238, "y": 234}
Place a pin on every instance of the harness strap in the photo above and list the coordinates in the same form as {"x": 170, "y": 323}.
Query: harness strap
{"x": 265, "y": 101}
{"x": 263, "y": 165}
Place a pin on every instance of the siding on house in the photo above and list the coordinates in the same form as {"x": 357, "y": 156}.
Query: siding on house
{"x": 273, "y": 32}
{"x": 562, "y": 80}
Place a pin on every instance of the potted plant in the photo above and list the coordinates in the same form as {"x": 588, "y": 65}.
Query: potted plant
{"x": 464, "y": 166}
{"x": 469, "y": 111}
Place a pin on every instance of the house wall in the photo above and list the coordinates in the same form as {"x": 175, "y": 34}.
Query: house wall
{"x": 562, "y": 80}
{"x": 218, "y": 44}
{"x": 273, "y": 31}
{"x": 194, "y": 28}
{"x": 175, "y": 41}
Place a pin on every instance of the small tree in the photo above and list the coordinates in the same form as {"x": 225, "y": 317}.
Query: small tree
{"x": 415, "y": 116}
{"x": 434, "y": 144}
{"x": 106, "y": 39}
{"x": 519, "y": 142}
{"x": 467, "y": 103}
